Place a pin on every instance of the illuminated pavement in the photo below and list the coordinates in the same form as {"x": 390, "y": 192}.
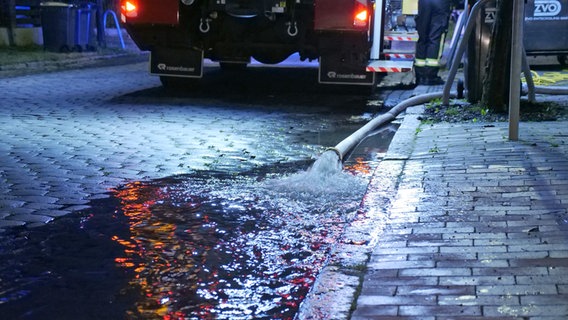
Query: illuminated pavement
{"x": 69, "y": 137}
{"x": 458, "y": 223}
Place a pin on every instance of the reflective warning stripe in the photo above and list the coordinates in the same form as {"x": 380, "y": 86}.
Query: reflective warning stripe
{"x": 419, "y": 62}
{"x": 432, "y": 63}
{"x": 400, "y": 38}
{"x": 426, "y": 63}
{"x": 389, "y": 66}
{"x": 399, "y": 55}
{"x": 389, "y": 69}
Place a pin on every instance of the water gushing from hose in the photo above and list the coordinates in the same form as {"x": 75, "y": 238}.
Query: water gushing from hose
{"x": 324, "y": 181}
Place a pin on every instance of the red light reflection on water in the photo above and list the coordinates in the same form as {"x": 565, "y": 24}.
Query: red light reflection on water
{"x": 200, "y": 258}
{"x": 148, "y": 249}
{"x": 359, "y": 166}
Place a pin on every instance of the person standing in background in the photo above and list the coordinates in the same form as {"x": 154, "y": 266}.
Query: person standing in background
{"x": 431, "y": 23}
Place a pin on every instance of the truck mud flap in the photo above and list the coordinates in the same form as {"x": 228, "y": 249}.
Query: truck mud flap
{"x": 332, "y": 72}
{"x": 177, "y": 62}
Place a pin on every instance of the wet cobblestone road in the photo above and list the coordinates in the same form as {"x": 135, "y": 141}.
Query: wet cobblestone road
{"x": 70, "y": 136}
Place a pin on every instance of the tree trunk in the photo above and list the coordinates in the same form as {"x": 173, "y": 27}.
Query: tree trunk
{"x": 495, "y": 94}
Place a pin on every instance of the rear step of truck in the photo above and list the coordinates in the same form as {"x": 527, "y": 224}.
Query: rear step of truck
{"x": 398, "y": 54}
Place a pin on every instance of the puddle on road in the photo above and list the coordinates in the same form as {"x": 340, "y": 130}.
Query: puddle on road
{"x": 199, "y": 246}
{"x": 226, "y": 248}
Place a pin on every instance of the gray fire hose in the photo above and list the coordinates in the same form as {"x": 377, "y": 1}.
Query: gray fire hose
{"x": 345, "y": 146}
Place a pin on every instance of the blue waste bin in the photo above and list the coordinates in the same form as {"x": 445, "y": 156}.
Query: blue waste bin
{"x": 68, "y": 27}
{"x": 85, "y": 25}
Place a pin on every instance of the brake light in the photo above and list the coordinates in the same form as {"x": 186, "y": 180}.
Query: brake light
{"x": 130, "y": 9}
{"x": 361, "y": 17}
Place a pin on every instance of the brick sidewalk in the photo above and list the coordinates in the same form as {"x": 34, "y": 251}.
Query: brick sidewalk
{"x": 478, "y": 227}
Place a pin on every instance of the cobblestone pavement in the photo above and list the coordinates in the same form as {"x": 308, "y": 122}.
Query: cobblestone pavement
{"x": 68, "y": 137}
{"x": 466, "y": 225}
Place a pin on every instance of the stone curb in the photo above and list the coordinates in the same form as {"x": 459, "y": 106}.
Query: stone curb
{"x": 86, "y": 60}
{"x": 338, "y": 284}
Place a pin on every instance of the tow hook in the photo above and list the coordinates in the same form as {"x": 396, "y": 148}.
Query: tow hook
{"x": 292, "y": 28}
{"x": 204, "y": 26}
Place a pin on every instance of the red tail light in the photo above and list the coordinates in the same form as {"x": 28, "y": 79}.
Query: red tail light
{"x": 361, "y": 15}
{"x": 130, "y": 8}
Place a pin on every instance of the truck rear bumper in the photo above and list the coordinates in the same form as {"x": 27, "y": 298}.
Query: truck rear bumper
{"x": 148, "y": 37}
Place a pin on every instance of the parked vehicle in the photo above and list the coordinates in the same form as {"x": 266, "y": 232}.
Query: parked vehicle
{"x": 346, "y": 37}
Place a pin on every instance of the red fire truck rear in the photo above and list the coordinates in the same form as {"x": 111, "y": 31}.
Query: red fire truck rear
{"x": 344, "y": 36}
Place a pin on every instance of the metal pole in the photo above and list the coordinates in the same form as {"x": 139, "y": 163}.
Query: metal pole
{"x": 516, "y": 66}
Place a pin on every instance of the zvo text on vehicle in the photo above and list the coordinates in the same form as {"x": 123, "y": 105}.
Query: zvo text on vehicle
{"x": 547, "y": 8}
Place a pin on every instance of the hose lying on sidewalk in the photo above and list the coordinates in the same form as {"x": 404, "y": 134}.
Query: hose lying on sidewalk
{"x": 343, "y": 148}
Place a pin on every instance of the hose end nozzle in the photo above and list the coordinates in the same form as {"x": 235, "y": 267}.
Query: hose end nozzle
{"x": 339, "y": 156}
